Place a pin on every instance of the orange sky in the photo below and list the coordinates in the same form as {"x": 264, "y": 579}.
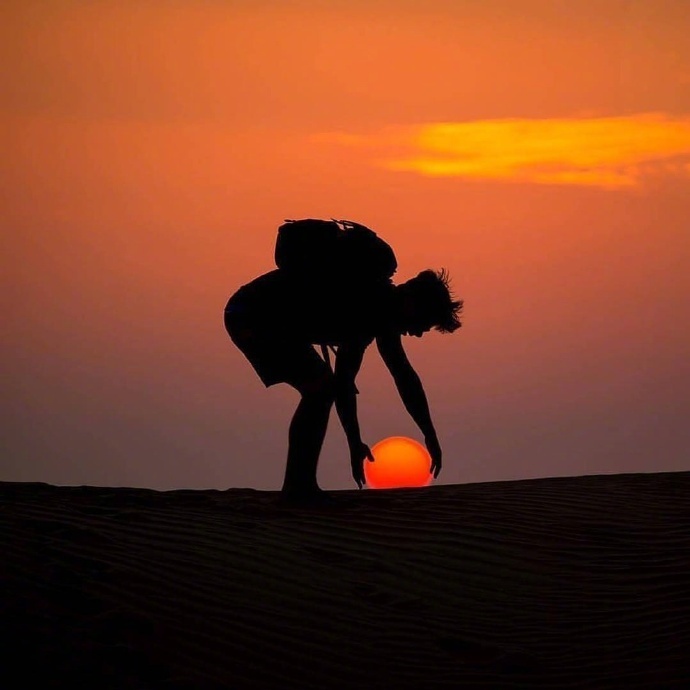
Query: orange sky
{"x": 538, "y": 150}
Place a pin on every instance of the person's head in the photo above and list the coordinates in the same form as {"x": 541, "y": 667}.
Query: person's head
{"x": 426, "y": 302}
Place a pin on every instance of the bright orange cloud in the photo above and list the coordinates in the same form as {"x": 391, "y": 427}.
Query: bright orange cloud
{"x": 607, "y": 152}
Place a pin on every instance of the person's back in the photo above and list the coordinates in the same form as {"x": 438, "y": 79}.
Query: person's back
{"x": 325, "y": 313}
{"x": 277, "y": 318}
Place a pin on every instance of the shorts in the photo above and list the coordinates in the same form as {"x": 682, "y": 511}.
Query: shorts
{"x": 276, "y": 354}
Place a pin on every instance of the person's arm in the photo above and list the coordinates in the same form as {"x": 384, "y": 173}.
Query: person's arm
{"x": 411, "y": 392}
{"x": 347, "y": 364}
{"x": 407, "y": 381}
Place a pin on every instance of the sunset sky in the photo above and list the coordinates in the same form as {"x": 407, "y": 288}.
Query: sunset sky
{"x": 539, "y": 150}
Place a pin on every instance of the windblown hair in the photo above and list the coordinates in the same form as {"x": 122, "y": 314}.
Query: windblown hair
{"x": 434, "y": 288}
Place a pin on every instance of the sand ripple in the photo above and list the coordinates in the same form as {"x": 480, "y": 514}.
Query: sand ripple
{"x": 552, "y": 583}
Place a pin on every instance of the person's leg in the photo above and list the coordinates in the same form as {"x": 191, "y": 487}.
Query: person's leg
{"x": 307, "y": 433}
{"x": 277, "y": 359}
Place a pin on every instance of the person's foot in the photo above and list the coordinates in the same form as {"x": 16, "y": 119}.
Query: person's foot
{"x": 313, "y": 496}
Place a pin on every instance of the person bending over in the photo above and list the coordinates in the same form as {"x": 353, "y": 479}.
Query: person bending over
{"x": 275, "y": 322}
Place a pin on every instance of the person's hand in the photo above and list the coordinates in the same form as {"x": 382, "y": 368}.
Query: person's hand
{"x": 434, "y": 448}
{"x": 358, "y": 452}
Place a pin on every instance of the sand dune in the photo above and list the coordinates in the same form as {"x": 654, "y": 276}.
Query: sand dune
{"x": 552, "y": 583}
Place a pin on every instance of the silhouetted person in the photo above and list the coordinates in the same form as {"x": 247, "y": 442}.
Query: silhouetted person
{"x": 275, "y": 320}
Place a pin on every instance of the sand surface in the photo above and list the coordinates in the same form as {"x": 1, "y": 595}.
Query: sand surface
{"x": 577, "y": 582}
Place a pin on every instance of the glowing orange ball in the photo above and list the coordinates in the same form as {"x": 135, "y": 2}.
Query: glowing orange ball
{"x": 398, "y": 462}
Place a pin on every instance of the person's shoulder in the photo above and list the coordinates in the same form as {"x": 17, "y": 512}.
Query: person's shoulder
{"x": 382, "y": 296}
{"x": 374, "y": 291}
{"x": 384, "y": 288}
{"x": 384, "y": 284}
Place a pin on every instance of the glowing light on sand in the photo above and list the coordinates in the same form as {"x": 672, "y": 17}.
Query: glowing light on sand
{"x": 398, "y": 462}
{"x": 606, "y": 152}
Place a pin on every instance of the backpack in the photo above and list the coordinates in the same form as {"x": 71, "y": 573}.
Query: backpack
{"x": 333, "y": 252}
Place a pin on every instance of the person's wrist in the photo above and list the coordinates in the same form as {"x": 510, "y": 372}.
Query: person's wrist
{"x": 354, "y": 442}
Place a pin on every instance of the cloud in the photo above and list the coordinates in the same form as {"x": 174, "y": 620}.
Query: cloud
{"x": 606, "y": 152}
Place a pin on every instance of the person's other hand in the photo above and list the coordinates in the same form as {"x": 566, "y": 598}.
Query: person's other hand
{"x": 357, "y": 455}
{"x": 434, "y": 448}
